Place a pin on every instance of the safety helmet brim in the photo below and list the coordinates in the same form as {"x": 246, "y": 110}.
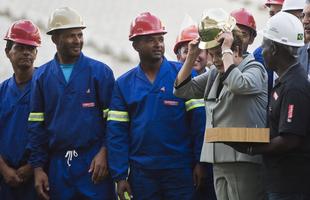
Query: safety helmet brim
{"x": 50, "y": 32}
{"x": 25, "y": 42}
{"x": 146, "y": 33}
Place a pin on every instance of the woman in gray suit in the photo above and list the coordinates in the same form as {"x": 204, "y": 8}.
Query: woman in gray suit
{"x": 235, "y": 94}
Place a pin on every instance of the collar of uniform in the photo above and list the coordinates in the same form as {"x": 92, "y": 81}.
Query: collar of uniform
{"x": 76, "y": 68}
{"x": 283, "y": 77}
{"x": 163, "y": 69}
{"x": 79, "y": 60}
{"x": 12, "y": 84}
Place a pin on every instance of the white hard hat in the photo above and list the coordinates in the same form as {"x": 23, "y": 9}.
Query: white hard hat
{"x": 64, "y": 18}
{"x": 284, "y": 28}
{"x": 293, "y": 5}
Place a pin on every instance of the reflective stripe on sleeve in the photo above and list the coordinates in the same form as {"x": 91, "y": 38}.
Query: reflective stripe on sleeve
{"x": 194, "y": 103}
{"x": 120, "y": 116}
{"x": 36, "y": 117}
{"x": 105, "y": 113}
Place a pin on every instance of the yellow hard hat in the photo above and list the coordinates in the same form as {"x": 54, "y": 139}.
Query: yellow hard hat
{"x": 64, "y": 18}
{"x": 213, "y": 23}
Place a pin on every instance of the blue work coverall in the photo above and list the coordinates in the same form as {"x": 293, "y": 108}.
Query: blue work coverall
{"x": 14, "y": 112}
{"x": 150, "y": 132}
{"x": 67, "y": 125}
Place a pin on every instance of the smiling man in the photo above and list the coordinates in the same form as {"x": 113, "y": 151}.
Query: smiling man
{"x": 70, "y": 97}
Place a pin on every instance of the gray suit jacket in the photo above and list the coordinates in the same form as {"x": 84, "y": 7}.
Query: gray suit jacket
{"x": 242, "y": 102}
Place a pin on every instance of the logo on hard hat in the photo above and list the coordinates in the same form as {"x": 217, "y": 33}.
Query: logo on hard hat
{"x": 300, "y": 36}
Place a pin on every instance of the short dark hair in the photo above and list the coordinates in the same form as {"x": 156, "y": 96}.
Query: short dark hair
{"x": 9, "y": 45}
{"x": 307, "y": 1}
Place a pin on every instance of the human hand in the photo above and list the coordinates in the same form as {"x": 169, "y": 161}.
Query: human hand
{"x": 25, "y": 172}
{"x": 10, "y": 176}
{"x": 227, "y": 40}
{"x": 123, "y": 187}
{"x": 198, "y": 175}
{"x": 41, "y": 183}
{"x": 99, "y": 166}
{"x": 193, "y": 50}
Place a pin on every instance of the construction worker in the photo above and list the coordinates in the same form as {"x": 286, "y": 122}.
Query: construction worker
{"x": 149, "y": 129}
{"x": 206, "y": 189}
{"x": 180, "y": 49}
{"x": 235, "y": 94}
{"x": 69, "y": 102}
{"x": 286, "y": 157}
{"x": 274, "y": 6}
{"x": 294, "y": 7}
{"x": 304, "y": 52}
{"x": 16, "y": 181}
{"x": 246, "y": 23}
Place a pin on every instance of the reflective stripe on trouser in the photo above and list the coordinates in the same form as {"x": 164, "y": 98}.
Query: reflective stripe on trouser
{"x": 120, "y": 116}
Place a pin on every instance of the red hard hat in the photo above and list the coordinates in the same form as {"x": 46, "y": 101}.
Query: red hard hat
{"x": 24, "y": 32}
{"x": 146, "y": 24}
{"x": 187, "y": 35}
{"x": 245, "y": 18}
{"x": 275, "y": 2}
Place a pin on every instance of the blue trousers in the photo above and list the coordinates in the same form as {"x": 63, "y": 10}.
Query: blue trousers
{"x": 162, "y": 184}
{"x": 25, "y": 191}
{"x": 288, "y": 196}
{"x": 70, "y": 179}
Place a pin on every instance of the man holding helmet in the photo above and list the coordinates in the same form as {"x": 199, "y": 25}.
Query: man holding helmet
{"x": 16, "y": 181}
{"x": 69, "y": 102}
{"x": 235, "y": 93}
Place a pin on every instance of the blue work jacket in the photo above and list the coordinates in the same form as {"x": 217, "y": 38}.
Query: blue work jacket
{"x": 14, "y": 111}
{"x": 66, "y": 116}
{"x": 148, "y": 127}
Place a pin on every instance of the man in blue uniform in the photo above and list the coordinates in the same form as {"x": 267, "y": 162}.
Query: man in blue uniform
{"x": 69, "y": 103}
{"x": 16, "y": 175}
{"x": 149, "y": 128}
